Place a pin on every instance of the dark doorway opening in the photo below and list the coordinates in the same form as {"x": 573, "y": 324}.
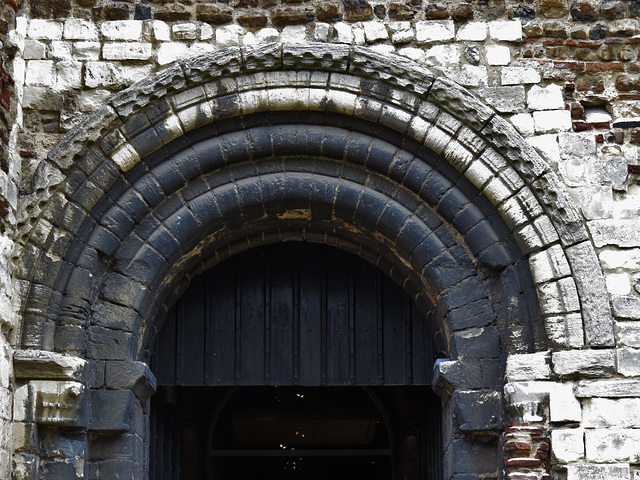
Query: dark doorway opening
{"x": 294, "y": 361}
{"x": 297, "y": 433}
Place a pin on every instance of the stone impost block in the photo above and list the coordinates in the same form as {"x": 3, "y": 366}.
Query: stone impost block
{"x": 585, "y": 363}
{"x": 606, "y": 413}
{"x": 39, "y": 364}
{"x": 135, "y": 376}
{"x": 58, "y": 403}
{"x": 528, "y": 366}
{"x": 111, "y": 410}
{"x": 478, "y": 410}
{"x": 568, "y": 444}
{"x": 612, "y": 445}
{"x": 435, "y": 31}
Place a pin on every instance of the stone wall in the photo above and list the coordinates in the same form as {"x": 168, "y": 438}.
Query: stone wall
{"x": 566, "y": 74}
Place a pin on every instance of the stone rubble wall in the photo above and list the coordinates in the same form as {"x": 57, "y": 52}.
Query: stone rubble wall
{"x": 566, "y": 74}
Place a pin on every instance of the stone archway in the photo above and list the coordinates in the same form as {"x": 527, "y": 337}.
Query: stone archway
{"x": 320, "y": 143}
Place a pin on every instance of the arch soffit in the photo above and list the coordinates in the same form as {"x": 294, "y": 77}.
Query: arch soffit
{"x": 391, "y": 91}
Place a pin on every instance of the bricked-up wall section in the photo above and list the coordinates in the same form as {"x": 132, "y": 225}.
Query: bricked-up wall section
{"x": 565, "y": 73}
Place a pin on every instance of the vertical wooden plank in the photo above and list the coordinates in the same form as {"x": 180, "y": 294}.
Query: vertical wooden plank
{"x": 164, "y": 358}
{"x": 250, "y": 307}
{"x": 281, "y": 319}
{"x": 366, "y": 328}
{"x": 337, "y": 311}
{"x": 395, "y": 332}
{"x": 192, "y": 338}
{"x": 221, "y": 320}
{"x": 420, "y": 348}
{"x": 311, "y": 292}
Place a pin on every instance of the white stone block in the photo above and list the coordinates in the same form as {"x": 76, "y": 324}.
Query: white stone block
{"x": 628, "y": 334}
{"x": 374, "y": 31}
{"x": 206, "y": 32}
{"x": 607, "y": 412}
{"x": 549, "y": 121}
{"x": 61, "y": 50}
{"x": 90, "y": 100}
{"x": 68, "y": 75}
{"x": 519, "y": 75}
{"x": 126, "y": 51}
{"x": 506, "y": 31}
{"x": 184, "y": 31}
{"x": 619, "y": 445}
{"x": 229, "y": 35}
{"x": 528, "y": 366}
{"x": 547, "y": 147}
{"x": 45, "y": 29}
{"x": 614, "y": 259}
{"x": 472, "y": 32}
{"x": 619, "y": 232}
{"x": 122, "y": 30}
{"x": 415, "y": 54}
{"x": 586, "y": 363}
{"x": 468, "y": 75}
{"x": 342, "y": 32}
{"x": 170, "y": 52}
{"x": 112, "y": 74}
{"x": 568, "y": 444}
{"x": 523, "y": 123}
{"x": 563, "y": 406}
{"x": 86, "y": 50}
{"x": 595, "y": 201}
{"x": 320, "y": 32}
{"x": 628, "y": 361}
{"x": 34, "y": 50}
{"x": 443, "y": 55}
{"x": 79, "y": 29}
{"x": 545, "y": 98}
{"x": 384, "y": 49}
{"x": 401, "y": 32}
{"x": 498, "y": 55}
{"x": 161, "y": 31}
{"x": 39, "y": 72}
{"x": 358, "y": 35}
{"x": 549, "y": 264}
{"x": 267, "y": 35}
{"x": 618, "y": 283}
{"x": 294, "y": 34}
{"x": 597, "y": 115}
{"x": 435, "y": 31}
{"x": 598, "y": 472}
{"x": 199, "y": 48}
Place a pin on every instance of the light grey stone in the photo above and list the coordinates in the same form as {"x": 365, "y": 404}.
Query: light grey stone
{"x": 619, "y": 232}
{"x": 126, "y": 51}
{"x": 472, "y": 31}
{"x": 375, "y": 31}
{"x": 568, "y": 444}
{"x": 45, "y": 29}
{"x": 612, "y": 445}
{"x": 545, "y": 98}
{"x": 498, "y": 55}
{"x": 607, "y": 413}
{"x": 618, "y": 388}
{"x": 528, "y": 366}
{"x": 584, "y": 363}
{"x": 598, "y": 472}
{"x": 506, "y": 30}
{"x": 434, "y": 31}
{"x": 80, "y": 29}
{"x": 519, "y": 75}
{"x": 626, "y": 306}
{"x": 33, "y": 50}
{"x": 122, "y": 30}
{"x": 628, "y": 334}
{"x": 549, "y": 121}
{"x": 628, "y": 361}
{"x": 472, "y": 54}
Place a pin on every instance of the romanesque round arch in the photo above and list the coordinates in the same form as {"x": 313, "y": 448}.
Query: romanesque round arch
{"x": 323, "y": 143}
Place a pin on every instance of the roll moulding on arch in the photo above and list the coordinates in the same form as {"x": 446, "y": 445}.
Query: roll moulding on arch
{"x": 354, "y": 82}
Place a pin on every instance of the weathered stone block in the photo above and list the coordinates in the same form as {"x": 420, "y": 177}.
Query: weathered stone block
{"x": 122, "y": 30}
{"x": 545, "y": 98}
{"x": 471, "y": 456}
{"x": 628, "y": 361}
{"x": 478, "y": 410}
{"x": 434, "y": 31}
{"x": 472, "y": 31}
{"x": 108, "y": 344}
{"x": 529, "y": 366}
{"x": 549, "y": 121}
{"x": 605, "y": 445}
{"x": 80, "y": 29}
{"x": 607, "y": 413}
{"x": 586, "y": 363}
{"x": 127, "y": 51}
{"x": 39, "y": 364}
{"x": 111, "y": 410}
{"x": 45, "y": 29}
{"x": 131, "y": 375}
{"x": 568, "y": 444}
{"x": 506, "y": 31}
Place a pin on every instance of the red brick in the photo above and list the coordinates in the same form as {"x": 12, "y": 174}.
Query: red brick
{"x": 569, "y": 65}
{"x": 605, "y": 67}
{"x": 555, "y": 41}
{"x": 523, "y": 462}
